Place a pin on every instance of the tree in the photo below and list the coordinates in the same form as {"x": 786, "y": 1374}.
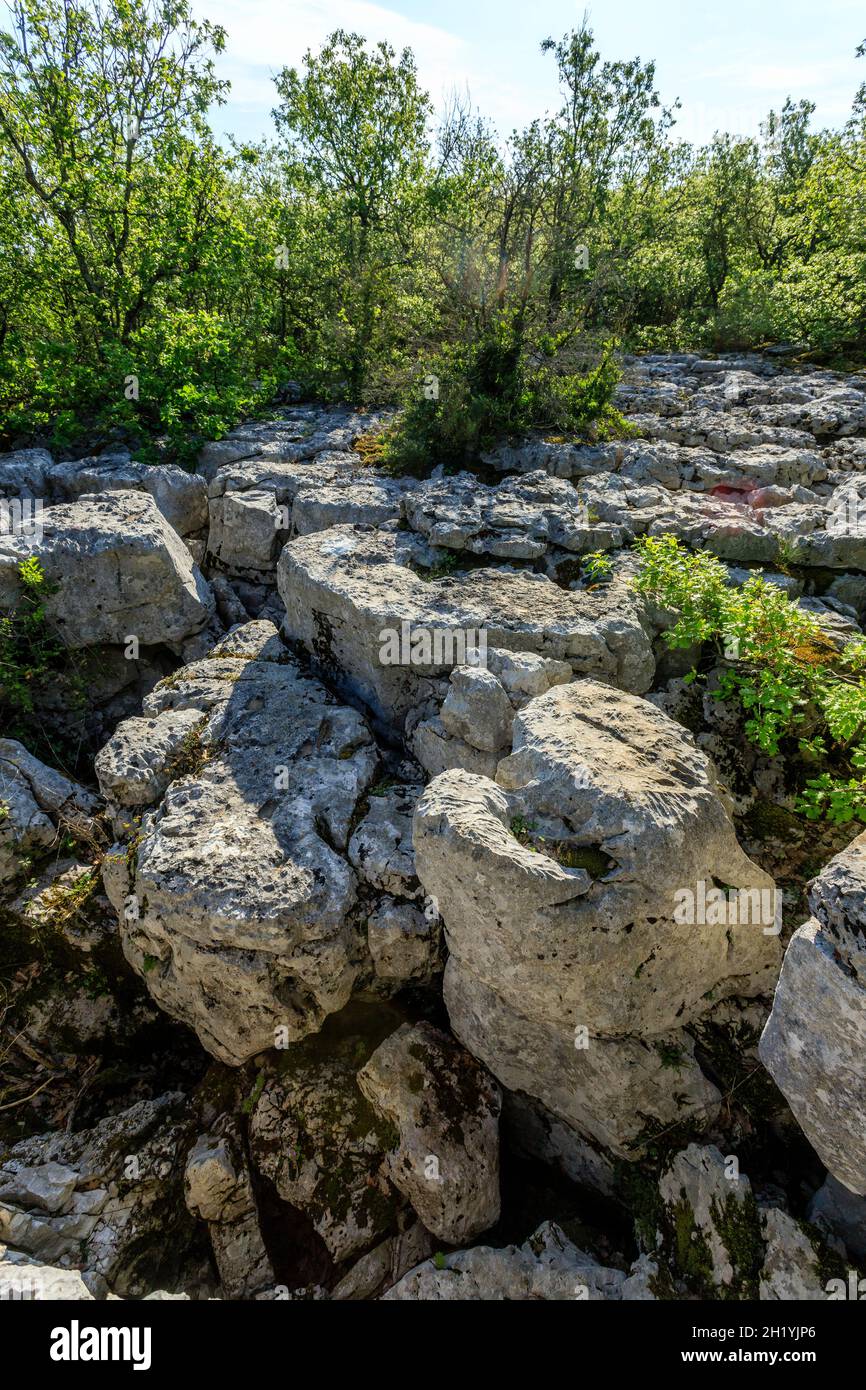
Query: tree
{"x": 102, "y": 107}
{"x": 354, "y": 133}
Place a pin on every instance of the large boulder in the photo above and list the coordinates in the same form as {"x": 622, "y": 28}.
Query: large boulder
{"x": 316, "y": 1137}
{"x": 446, "y": 1110}
{"x": 814, "y": 1041}
{"x": 583, "y": 918}
{"x": 120, "y": 570}
{"x": 360, "y": 603}
{"x": 235, "y": 895}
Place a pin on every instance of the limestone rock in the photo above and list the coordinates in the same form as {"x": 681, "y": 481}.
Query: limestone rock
{"x": 181, "y": 497}
{"x": 606, "y": 819}
{"x": 34, "y": 801}
{"x": 218, "y": 1189}
{"x": 238, "y": 910}
{"x": 446, "y": 1109}
{"x": 548, "y": 1266}
{"x": 790, "y": 1271}
{"x": 477, "y": 709}
{"x": 347, "y": 590}
{"x": 709, "y": 1205}
{"x": 316, "y": 1137}
{"x": 120, "y": 569}
{"x": 122, "y": 1221}
{"x": 403, "y": 942}
{"x": 813, "y": 1048}
{"x": 381, "y": 845}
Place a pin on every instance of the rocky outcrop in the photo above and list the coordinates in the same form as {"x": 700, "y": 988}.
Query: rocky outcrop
{"x": 596, "y": 843}
{"x": 235, "y": 896}
{"x": 106, "y": 1201}
{"x": 521, "y": 519}
{"x": 180, "y": 496}
{"x": 813, "y": 1044}
{"x": 287, "y": 887}
{"x": 356, "y": 602}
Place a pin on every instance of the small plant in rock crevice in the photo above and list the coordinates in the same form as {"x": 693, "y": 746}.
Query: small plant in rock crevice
{"x": 795, "y": 685}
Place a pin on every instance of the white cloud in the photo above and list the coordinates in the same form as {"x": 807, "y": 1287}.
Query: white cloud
{"x": 266, "y": 35}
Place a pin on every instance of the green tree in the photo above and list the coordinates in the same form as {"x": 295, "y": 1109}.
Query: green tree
{"x": 353, "y": 126}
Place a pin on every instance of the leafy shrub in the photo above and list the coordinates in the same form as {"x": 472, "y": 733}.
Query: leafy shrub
{"x": 490, "y": 389}
{"x": 791, "y": 681}
{"x": 33, "y": 660}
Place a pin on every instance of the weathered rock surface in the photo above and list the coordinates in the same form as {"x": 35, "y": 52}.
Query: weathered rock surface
{"x": 314, "y": 1134}
{"x": 813, "y": 1044}
{"x": 218, "y": 1189}
{"x": 446, "y": 1110}
{"x": 236, "y": 902}
{"x": 712, "y": 1238}
{"x": 106, "y": 1201}
{"x": 346, "y": 589}
{"x": 602, "y": 779}
{"x": 36, "y": 800}
{"x": 120, "y": 569}
{"x": 180, "y": 496}
{"x": 381, "y": 845}
{"x": 517, "y": 520}
{"x": 709, "y": 1203}
{"x": 403, "y": 941}
{"x": 547, "y": 1266}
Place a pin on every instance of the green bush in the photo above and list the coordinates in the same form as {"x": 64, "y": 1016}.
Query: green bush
{"x": 33, "y": 662}
{"x": 492, "y": 389}
{"x": 799, "y": 693}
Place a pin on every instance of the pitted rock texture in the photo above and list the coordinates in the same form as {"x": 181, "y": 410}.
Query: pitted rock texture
{"x": 813, "y": 1044}
{"x": 541, "y": 946}
{"x": 518, "y": 520}
{"x": 120, "y": 571}
{"x": 235, "y": 895}
{"x": 347, "y": 591}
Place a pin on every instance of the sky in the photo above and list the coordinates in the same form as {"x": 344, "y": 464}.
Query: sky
{"x": 728, "y": 63}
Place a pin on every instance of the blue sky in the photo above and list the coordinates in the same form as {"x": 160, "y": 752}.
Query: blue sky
{"x": 728, "y": 63}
